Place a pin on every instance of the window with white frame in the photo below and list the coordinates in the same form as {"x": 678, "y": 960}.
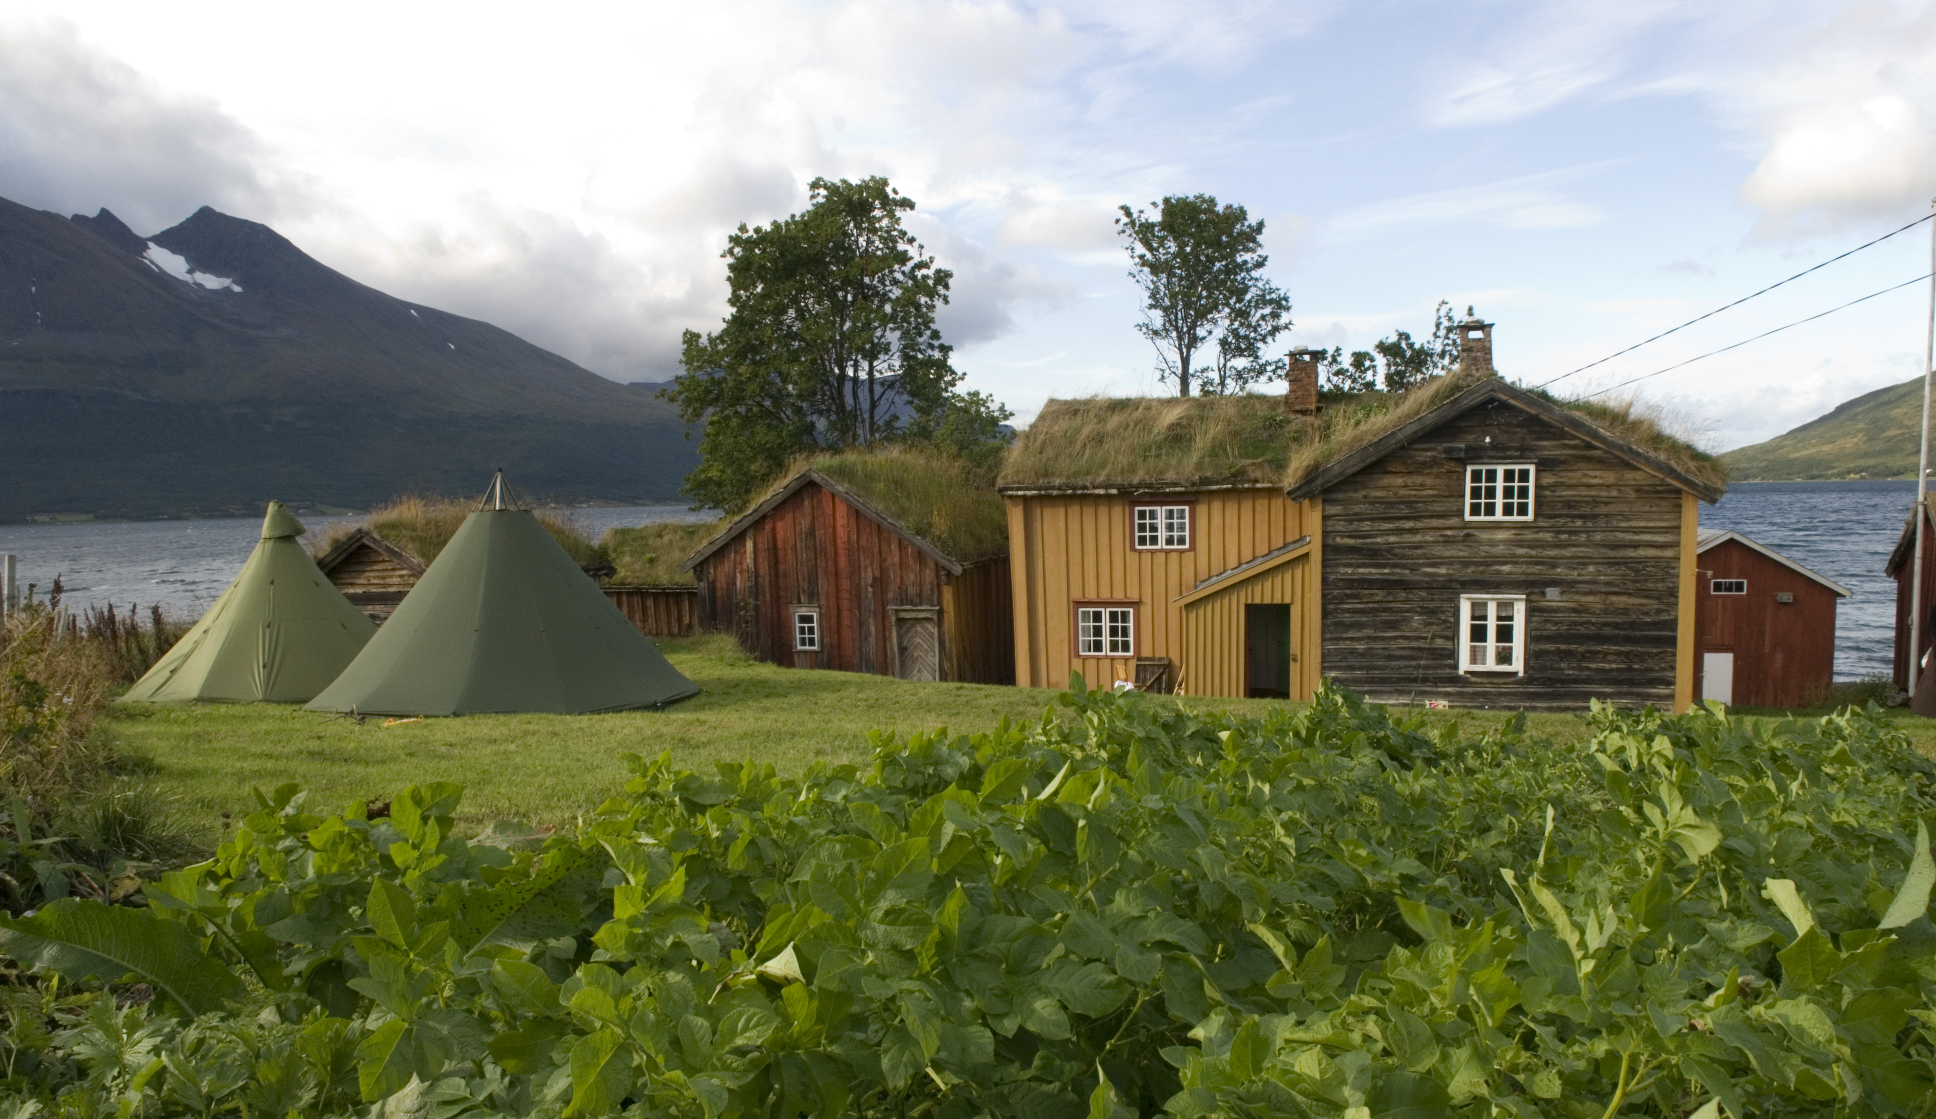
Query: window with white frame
{"x": 1106, "y": 631}
{"x": 1499, "y": 493}
{"x": 1492, "y": 629}
{"x": 806, "y": 629}
{"x": 1727, "y": 586}
{"x": 1161, "y": 527}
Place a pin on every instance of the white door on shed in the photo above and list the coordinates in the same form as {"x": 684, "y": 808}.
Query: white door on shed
{"x": 1717, "y": 676}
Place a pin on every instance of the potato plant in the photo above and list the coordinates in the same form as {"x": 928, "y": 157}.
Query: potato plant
{"x": 1120, "y": 910}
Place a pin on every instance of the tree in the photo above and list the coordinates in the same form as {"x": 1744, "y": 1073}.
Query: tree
{"x": 829, "y": 343}
{"x": 972, "y": 425}
{"x": 1407, "y": 364}
{"x": 1200, "y": 266}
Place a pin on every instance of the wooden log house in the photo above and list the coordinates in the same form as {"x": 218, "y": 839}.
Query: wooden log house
{"x": 1766, "y": 625}
{"x": 1468, "y": 543}
{"x": 892, "y": 563}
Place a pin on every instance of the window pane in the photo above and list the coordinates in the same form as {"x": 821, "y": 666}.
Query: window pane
{"x": 1148, "y": 534}
{"x": 1176, "y": 526}
{"x": 1502, "y": 656}
{"x": 1120, "y": 632}
{"x": 806, "y": 630}
{"x": 1516, "y": 496}
{"x": 1482, "y": 491}
{"x": 1089, "y": 628}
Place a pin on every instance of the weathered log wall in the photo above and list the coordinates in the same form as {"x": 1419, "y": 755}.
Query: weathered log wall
{"x": 671, "y": 611}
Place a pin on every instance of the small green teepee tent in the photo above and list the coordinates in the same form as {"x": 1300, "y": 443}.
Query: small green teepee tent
{"x": 505, "y": 621}
{"x": 280, "y": 633}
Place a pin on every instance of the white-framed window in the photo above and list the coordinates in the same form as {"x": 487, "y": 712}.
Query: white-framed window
{"x": 1727, "y": 586}
{"x": 1162, "y": 527}
{"x": 1492, "y": 633}
{"x": 1499, "y": 492}
{"x": 806, "y": 629}
{"x": 1106, "y": 631}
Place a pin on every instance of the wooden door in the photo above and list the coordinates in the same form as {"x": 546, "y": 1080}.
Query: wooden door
{"x": 1267, "y": 651}
{"x": 1717, "y": 676}
{"x": 917, "y": 646}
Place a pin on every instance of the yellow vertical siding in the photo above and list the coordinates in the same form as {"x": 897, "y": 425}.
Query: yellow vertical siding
{"x": 1074, "y": 548}
{"x": 1214, "y": 630}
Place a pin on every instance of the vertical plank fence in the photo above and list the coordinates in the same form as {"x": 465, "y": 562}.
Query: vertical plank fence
{"x": 663, "y": 611}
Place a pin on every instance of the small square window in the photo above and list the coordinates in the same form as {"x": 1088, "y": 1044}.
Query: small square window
{"x": 1492, "y": 632}
{"x": 806, "y": 629}
{"x": 1106, "y": 631}
{"x": 1727, "y": 586}
{"x": 1499, "y": 493}
{"x": 1162, "y": 527}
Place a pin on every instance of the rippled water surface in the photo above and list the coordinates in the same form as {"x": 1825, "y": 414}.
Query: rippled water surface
{"x": 1842, "y": 529}
{"x": 184, "y": 565}
{"x": 1845, "y": 530}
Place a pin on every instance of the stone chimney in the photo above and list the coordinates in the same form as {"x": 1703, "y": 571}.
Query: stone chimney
{"x": 1301, "y": 377}
{"x": 1475, "y": 348}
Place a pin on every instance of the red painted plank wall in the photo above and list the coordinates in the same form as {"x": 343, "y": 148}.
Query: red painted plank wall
{"x": 1784, "y": 653}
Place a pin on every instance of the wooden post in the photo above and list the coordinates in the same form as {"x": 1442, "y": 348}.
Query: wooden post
{"x": 9, "y": 585}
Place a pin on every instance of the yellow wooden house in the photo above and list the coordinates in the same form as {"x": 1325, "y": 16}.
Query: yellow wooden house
{"x": 1469, "y": 543}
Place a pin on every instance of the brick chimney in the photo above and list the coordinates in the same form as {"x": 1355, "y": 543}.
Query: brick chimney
{"x": 1301, "y": 377}
{"x": 1475, "y": 347}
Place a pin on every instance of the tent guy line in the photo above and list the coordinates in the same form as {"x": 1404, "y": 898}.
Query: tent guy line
{"x": 1739, "y": 302}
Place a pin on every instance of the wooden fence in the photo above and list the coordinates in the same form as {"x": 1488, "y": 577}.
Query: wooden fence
{"x": 658, "y": 611}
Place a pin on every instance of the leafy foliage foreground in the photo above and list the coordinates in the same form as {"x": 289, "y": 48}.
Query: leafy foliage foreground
{"x": 1121, "y": 910}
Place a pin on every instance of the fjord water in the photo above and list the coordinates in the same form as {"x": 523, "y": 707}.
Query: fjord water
{"x": 183, "y": 565}
{"x": 1843, "y": 530}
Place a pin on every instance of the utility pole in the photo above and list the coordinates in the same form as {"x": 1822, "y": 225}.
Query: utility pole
{"x": 1922, "y": 479}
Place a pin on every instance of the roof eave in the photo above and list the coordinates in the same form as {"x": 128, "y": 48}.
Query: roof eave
{"x": 1716, "y": 539}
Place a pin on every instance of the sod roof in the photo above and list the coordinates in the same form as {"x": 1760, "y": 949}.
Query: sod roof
{"x": 1139, "y": 444}
{"x": 928, "y": 495}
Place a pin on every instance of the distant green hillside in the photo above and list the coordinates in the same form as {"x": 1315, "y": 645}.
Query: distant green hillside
{"x": 1876, "y": 435}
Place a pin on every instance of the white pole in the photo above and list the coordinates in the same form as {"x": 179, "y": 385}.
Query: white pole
{"x": 1922, "y": 479}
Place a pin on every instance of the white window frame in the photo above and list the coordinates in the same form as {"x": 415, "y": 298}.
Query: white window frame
{"x": 1114, "y": 630}
{"x": 1160, "y": 528}
{"x": 1475, "y": 470}
{"x": 1714, "y": 586}
{"x": 1468, "y": 604}
{"x": 806, "y": 639}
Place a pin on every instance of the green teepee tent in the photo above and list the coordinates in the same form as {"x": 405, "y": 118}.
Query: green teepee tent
{"x": 504, "y": 621}
{"x": 280, "y": 633}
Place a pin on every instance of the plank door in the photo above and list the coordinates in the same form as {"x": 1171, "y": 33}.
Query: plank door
{"x": 1717, "y": 676}
{"x": 917, "y": 646}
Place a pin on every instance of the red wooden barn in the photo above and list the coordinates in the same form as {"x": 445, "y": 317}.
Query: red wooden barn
{"x": 1898, "y": 568}
{"x": 893, "y": 563}
{"x": 1765, "y": 625}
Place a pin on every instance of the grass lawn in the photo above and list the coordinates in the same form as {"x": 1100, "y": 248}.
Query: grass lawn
{"x": 548, "y": 769}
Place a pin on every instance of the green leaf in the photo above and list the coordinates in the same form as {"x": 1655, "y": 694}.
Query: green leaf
{"x": 75, "y": 938}
{"x": 601, "y": 1073}
{"x": 1411, "y": 1041}
{"x": 392, "y": 915}
{"x": 1408, "y": 1095}
{"x": 1912, "y": 900}
{"x": 529, "y": 1048}
{"x": 1809, "y": 962}
{"x": 901, "y": 1057}
{"x": 525, "y": 987}
{"x": 516, "y": 911}
{"x": 386, "y": 1059}
{"x": 1085, "y": 988}
{"x": 1782, "y": 892}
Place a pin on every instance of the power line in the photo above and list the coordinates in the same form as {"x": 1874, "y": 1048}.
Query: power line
{"x": 1739, "y": 302}
{"x": 1758, "y": 337}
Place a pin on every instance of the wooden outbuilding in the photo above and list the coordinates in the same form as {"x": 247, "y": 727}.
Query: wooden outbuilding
{"x": 893, "y": 563}
{"x": 372, "y": 573}
{"x": 1766, "y": 626}
{"x": 1468, "y": 542}
{"x": 1899, "y": 568}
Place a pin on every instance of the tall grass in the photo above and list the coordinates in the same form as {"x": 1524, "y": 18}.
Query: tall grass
{"x": 1205, "y": 440}
{"x": 650, "y": 555}
{"x": 423, "y": 524}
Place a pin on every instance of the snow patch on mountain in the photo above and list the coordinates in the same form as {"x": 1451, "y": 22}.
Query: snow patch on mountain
{"x": 176, "y": 265}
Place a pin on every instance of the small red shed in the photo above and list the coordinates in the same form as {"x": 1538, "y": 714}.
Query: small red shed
{"x": 888, "y": 562}
{"x": 1898, "y": 568}
{"x": 1765, "y": 625}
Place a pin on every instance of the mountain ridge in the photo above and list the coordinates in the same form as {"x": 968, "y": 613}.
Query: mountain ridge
{"x": 1875, "y": 435}
{"x": 215, "y": 365}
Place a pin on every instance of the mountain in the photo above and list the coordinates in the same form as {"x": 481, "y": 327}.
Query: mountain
{"x": 215, "y": 365}
{"x": 1875, "y": 435}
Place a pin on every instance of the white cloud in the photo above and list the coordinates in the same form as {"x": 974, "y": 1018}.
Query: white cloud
{"x": 1527, "y": 202}
{"x": 1547, "y": 56}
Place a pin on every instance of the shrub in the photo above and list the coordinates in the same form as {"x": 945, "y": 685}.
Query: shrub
{"x": 1125, "y": 910}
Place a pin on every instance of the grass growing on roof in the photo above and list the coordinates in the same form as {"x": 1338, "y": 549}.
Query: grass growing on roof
{"x": 1203, "y": 440}
{"x": 933, "y": 494}
{"x": 422, "y": 525}
{"x": 650, "y": 555}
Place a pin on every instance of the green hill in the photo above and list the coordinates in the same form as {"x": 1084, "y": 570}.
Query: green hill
{"x": 1876, "y": 435}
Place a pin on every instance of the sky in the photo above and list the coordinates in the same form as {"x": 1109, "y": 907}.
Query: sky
{"x": 1583, "y": 174}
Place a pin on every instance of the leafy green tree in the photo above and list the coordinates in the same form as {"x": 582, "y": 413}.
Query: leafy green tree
{"x": 1406, "y": 363}
{"x": 830, "y": 339}
{"x": 972, "y": 425}
{"x": 1201, "y": 265}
